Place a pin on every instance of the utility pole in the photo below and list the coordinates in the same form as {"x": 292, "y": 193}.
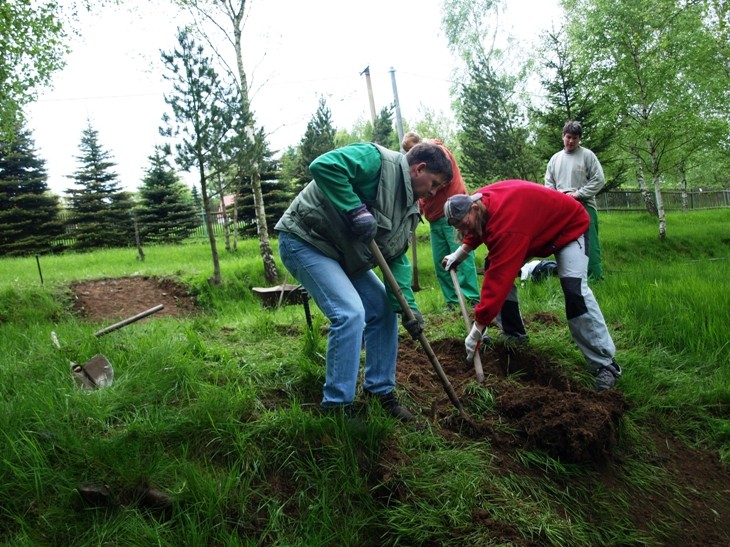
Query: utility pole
{"x": 399, "y": 126}
{"x": 398, "y": 118}
{"x": 370, "y": 93}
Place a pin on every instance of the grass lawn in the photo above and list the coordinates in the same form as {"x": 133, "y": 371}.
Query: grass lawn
{"x": 211, "y": 434}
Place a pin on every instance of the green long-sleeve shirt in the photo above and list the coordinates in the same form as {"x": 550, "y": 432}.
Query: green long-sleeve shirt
{"x": 349, "y": 177}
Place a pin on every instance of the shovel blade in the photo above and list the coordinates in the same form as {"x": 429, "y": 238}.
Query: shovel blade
{"x": 96, "y": 373}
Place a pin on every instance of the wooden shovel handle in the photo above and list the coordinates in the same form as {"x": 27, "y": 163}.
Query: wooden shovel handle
{"x": 393, "y": 284}
{"x": 478, "y": 370}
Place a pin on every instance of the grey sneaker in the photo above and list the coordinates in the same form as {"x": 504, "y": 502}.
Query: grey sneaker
{"x": 390, "y": 404}
{"x": 607, "y": 375}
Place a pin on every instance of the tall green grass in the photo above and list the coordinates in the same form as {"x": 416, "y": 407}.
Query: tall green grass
{"x": 219, "y": 410}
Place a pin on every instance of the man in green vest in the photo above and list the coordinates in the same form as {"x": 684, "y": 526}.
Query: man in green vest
{"x": 360, "y": 193}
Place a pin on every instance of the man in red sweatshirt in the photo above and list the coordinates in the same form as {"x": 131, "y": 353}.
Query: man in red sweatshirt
{"x": 518, "y": 220}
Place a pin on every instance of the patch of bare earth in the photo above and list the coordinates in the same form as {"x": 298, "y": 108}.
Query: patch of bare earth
{"x": 537, "y": 407}
{"x": 109, "y": 300}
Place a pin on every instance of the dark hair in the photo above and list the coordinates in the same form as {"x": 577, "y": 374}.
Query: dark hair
{"x": 573, "y": 127}
{"x": 433, "y": 156}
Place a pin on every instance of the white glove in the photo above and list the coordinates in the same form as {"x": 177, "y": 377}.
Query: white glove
{"x": 472, "y": 341}
{"x": 454, "y": 259}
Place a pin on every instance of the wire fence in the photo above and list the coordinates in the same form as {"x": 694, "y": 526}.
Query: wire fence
{"x": 615, "y": 200}
{"x": 674, "y": 200}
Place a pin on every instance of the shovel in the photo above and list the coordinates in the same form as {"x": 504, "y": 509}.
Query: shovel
{"x": 477, "y": 358}
{"x": 421, "y": 337}
{"x": 95, "y": 373}
{"x": 98, "y": 372}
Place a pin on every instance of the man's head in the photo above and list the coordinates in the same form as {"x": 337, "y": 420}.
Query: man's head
{"x": 430, "y": 169}
{"x": 572, "y": 133}
{"x": 410, "y": 140}
{"x": 465, "y": 213}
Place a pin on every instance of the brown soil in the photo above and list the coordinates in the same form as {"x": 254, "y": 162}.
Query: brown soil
{"x": 111, "y": 300}
{"x": 537, "y": 406}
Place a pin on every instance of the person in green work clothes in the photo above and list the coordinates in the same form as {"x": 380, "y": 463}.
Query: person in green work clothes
{"x": 576, "y": 171}
{"x": 360, "y": 193}
{"x": 443, "y": 235}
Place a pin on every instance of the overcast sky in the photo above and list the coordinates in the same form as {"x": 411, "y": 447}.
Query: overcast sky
{"x": 295, "y": 52}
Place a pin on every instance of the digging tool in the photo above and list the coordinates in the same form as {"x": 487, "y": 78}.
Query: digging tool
{"x": 129, "y": 320}
{"x": 477, "y": 358}
{"x": 98, "y": 372}
{"x": 421, "y": 337}
{"x": 95, "y": 373}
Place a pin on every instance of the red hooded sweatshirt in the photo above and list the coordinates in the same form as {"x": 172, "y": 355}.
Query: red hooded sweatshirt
{"x": 524, "y": 220}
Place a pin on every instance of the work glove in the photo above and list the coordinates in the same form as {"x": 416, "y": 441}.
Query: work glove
{"x": 414, "y": 326}
{"x": 362, "y": 223}
{"x": 454, "y": 259}
{"x": 472, "y": 341}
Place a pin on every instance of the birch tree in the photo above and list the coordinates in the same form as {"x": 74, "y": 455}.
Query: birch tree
{"x": 658, "y": 62}
{"x": 228, "y": 17}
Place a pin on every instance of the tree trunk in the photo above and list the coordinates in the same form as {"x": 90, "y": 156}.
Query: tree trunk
{"x": 660, "y": 208}
{"x": 656, "y": 177}
{"x": 226, "y": 225}
{"x": 270, "y": 271}
{"x": 138, "y": 240}
{"x": 235, "y": 214}
{"x": 683, "y": 174}
{"x": 216, "y": 277}
{"x": 645, "y": 194}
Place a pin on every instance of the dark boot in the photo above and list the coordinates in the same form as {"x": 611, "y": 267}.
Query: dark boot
{"x": 390, "y": 404}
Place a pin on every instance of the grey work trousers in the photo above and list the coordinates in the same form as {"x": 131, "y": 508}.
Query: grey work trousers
{"x": 585, "y": 320}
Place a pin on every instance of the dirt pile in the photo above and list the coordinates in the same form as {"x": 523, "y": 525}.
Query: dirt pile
{"x": 535, "y": 404}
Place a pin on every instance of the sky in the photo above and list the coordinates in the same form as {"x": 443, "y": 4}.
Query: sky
{"x": 294, "y": 53}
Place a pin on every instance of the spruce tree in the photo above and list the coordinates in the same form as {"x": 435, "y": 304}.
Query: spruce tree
{"x": 383, "y": 133}
{"x": 318, "y": 138}
{"x": 570, "y": 97}
{"x": 277, "y": 191}
{"x": 29, "y": 214}
{"x": 494, "y": 136}
{"x": 166, "y": 212}
{"x": 99, "y": 208}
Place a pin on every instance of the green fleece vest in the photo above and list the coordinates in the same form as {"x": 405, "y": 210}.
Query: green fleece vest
{"x": 313, "y": 218}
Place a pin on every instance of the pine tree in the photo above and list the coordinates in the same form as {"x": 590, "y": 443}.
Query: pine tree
{"x": 100, "y": 209}
{"x": 494, "y": 137}
{"x": 318, "y": 139}
{"x": 383, "y": 133}
{"x": 200, "y": 116}
{"x": 29, "y": 214}
{"x": 166, "y": 212}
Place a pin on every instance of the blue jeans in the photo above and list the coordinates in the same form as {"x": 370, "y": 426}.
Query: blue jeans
{"x": 357, "y": 308}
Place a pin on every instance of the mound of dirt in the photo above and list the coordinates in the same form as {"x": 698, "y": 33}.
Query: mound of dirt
{"x": 110, "y": 300}
{"x": 534, "y": 400}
